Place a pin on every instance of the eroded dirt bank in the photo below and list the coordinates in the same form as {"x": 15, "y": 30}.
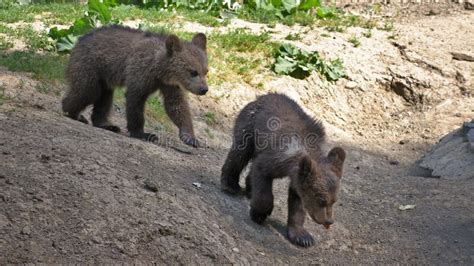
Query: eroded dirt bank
{"x": 73, "y": 193}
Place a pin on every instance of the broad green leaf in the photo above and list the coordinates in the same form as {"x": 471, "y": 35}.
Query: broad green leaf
{"x": 83, "y": 26}
{"x": 101, "y": 10}
{"x": 67, "y": 43}
{"x": 282, "y": 66}
{"x": 309, "y": 4}
{"x": 57, "y": 34}
{"x": 289, "y": 5}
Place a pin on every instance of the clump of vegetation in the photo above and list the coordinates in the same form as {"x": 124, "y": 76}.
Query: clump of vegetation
{"x": 46, "y": 66}
{"x": 355, "y": 41}
{"x": 209, "y": 118}
{"x": 293, "y": 37}
{"x": 2, "y": 95}
{"x": 292, "y": 61}
{"x": 367, "y": 34}
{"x": 98, "y": 14}
{"x": 388, "y": 26}
{"x": 240, "y": 40}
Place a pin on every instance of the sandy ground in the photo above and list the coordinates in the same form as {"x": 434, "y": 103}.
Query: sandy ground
{"x": 73, "y": 193}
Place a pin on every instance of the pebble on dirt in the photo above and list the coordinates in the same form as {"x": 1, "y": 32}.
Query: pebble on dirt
{"x": 151, "y": 185}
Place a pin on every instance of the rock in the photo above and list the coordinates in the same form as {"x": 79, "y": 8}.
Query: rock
{"x": 403, "y": 142}
{"x": 26, "y": 230}
{"x": 452, "y": 157}
{"x": 462, "y": 57}
{"x": 394, "y": 162}
{"x": 469, "y": 5}
{"x": 151, "y": 185}
{"x": 351, "y": 85}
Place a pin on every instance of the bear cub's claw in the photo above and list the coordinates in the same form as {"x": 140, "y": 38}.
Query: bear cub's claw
{"x": 300, "y": 238}
{"x": 189, "y": 140}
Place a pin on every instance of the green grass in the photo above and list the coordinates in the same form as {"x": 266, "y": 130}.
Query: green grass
{"x": 154, "y": 15}
{"x": 3, "y": 97}
{"x": 367, "y": 34}
{"x": 341, "y": 22}
{"x": 354, "y": 40}
{"x": 45, "y": 66}
{"x": 238, "y": 55}
{"x": 240, "y": 40}
{"x": 155, "y": 110}
{"x": 59, "y": 13}
{"x": 388, "y": 26}
{"x": 270, "y": 17}
{"x": 293, "y": 37}
{"x": 209, "y": 118}
{"x": 33, "y": 39}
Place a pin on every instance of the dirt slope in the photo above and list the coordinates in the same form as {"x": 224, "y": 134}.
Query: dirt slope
{"x": 73, "y": 193}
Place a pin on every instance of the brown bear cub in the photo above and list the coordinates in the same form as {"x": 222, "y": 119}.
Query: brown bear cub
{"x": 143, "y": 62}
{"x": 282, "y": 140}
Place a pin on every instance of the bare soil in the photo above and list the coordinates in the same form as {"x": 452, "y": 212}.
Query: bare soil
{"x": 73, "y": 193}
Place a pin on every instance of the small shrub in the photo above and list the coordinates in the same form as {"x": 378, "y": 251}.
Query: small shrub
{"x": 292, "y": 61}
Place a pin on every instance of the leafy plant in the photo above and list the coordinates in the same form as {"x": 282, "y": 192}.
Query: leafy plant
{"x": 368, "y": 33}
{"x": 292, "y": 61}
{"x": 98, "y": 14}
{"x": 355, "y": 41}
{"x": 210, "y": 118}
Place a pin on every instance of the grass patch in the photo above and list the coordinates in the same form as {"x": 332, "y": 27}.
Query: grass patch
{"x": 155, "y": 110}
{"x": 240, "y": 40}
{"x": 209, "y": 118}
{"x": 238, "y": 55}
{"x": 270, "y": 17}
{"x": 2, "y": 95}
{"x": 340, "y": 23}
{"x": 355, "y": 41}
{"x": 367, "y": 34}
{"x": 388, "y": 26}
{"x": 51, "y": 13}
{"x": 34, "y": 40}
{"x": 293, "y": 37}
{"x": 43, "y": 66}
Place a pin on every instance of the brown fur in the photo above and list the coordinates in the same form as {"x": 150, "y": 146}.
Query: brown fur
{"x": 293, "y": 149}
{"x": 143, "y": 62}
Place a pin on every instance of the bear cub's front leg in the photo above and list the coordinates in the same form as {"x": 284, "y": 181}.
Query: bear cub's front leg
{"x": 296, "y": 216}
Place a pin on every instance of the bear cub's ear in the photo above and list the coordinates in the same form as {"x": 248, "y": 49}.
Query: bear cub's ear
{"x": 173, "y": 44}
{"x": 336, "y": 157}
{"x": 200, "y": 41}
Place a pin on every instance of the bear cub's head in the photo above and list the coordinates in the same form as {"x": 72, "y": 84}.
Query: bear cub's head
{"x": 318, "y": 184}
{"x": 187, "y": 68}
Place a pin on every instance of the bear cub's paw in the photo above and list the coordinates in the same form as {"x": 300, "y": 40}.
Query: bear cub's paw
{"x": 226, "y": 187}
{"x": 112, "y": 128}
{"x": 300, "y": 237}
{"x": 258, "y": 217}
{"x": 189, "y": 140}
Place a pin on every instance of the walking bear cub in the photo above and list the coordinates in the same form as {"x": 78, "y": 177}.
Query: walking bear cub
{"x": 282, "y": 140}
{"x": 143, "y": 62}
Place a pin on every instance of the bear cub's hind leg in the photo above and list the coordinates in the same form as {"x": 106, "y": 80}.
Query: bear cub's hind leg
{"x": 101, "y": 111}
{"x": 261, "y": 203}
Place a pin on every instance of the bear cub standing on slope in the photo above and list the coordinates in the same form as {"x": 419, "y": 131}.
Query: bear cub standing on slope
{"x": 282, "y": 140}
{"x": 143, "y": 62}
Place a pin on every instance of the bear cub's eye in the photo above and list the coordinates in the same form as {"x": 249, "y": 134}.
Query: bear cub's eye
{"x": 194, "y": 73}
{"x": 322, "y": 202}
